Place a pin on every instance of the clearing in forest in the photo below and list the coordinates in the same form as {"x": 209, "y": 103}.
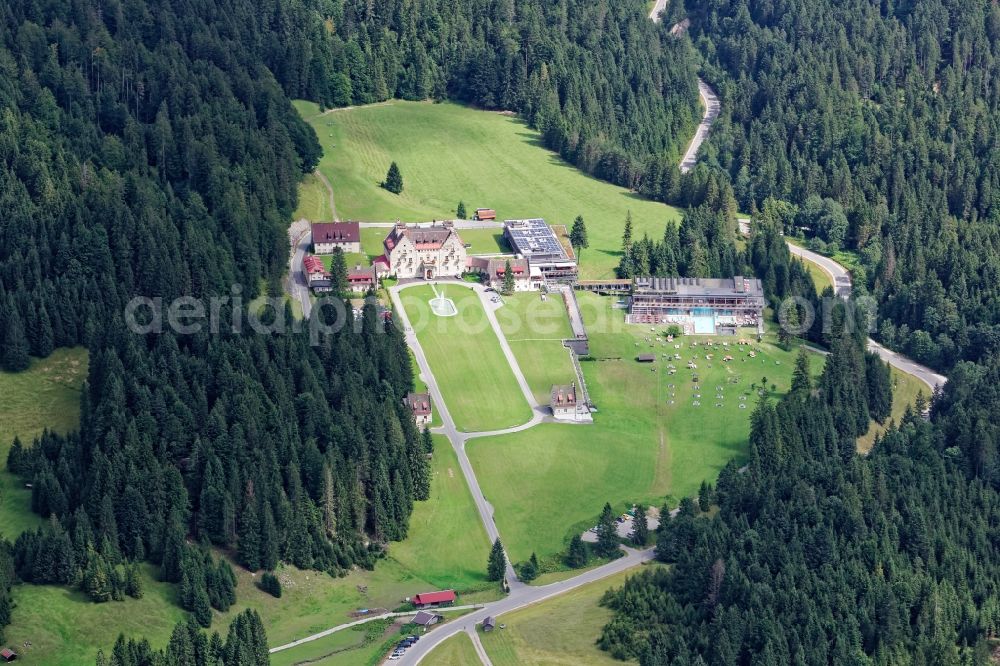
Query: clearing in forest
{"x": 448, "y": 152}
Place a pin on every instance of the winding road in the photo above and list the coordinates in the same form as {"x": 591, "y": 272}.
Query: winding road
{"x": 708, "y": 99}
{"x": 842, "y": 287}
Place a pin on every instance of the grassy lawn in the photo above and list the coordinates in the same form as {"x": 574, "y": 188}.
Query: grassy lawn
{"x": 640, "y": 447}
{"x": 562, "y": 631}
{"x": 484, "y": 241}
{"x": 314, "y": 200}
{"x": 66, "y": 629}
{"x": 448, "y": 152}
{"x": 456, "y": 651}
{"x": 371, "y": 241}
{"x": 535, "y": 330}
{"x": 47, "y": 395}
{"x": 464, "y": 354}
{"x": 905, "y": 388}
{"x": 336, "y": 646}
{"x": 448, "y": 545}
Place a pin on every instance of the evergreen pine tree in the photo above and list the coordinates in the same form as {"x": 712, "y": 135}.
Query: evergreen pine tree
{"x": 200, "y": 606}
{"x": 800, "y": 375}
{"x": 428, "y": 441}
{"x": 578, "y": 553}
{"x": 271, "y": 584}
{"x": 640, "y": 527}
{"x": 269, "y": 546}
{"x": 338, "y": 273}
{"x": 508, "y": 280}
{"x": 607, "y": 533}
{"x": 249, "y": 541}
{"x": 14, "y": 351}
{"x": 45, "y": 338}
{"x": 393, "y": 179}
{"x": 133, "y": 581}
{"x": 497, "y": 566}
{"x": 460, "y": 212}
{"x": 578, "y": 235}
{"x": 705, "y": 496}
{"x": 529, "y": 570}
{"x": 626, "y": 266}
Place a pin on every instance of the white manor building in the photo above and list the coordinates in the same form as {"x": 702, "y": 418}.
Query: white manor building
{"x": 427, "y": 252}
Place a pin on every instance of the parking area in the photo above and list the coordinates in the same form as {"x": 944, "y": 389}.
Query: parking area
{"x": 400, "y": 650}
{"x": 624, "y": 524}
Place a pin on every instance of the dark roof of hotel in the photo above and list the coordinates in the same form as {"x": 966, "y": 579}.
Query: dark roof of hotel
{"x": 734, "y": 286}
{"x": 336, "y": 232}
{"x": 425, "y": 238}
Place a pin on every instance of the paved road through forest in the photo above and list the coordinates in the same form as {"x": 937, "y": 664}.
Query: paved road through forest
{"x": 842, "y": 287}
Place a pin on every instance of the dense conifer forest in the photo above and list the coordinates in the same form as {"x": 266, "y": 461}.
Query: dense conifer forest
{"x": 245, "y": 643}
{"x": 878, "y": 121}
{"x": 146, "y": 151}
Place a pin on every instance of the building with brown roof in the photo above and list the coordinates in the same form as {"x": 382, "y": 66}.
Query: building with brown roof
{"x": 493, "y": 269}
{"x": 426, "y": 619}
{"x": 564, "y": 401}
{"x": 327, "y": 236}
{"x": 425, "y": 251}
{"x": 360, "y": 278}
{"x": 420, "y": 407}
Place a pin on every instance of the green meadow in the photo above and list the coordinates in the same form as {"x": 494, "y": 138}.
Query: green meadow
{"x": 535, "y": 330}
{"x": 47, "y": 395}
{"x": 649, "y": 441}
{"x": 314, "y": 200}
{"x": 448, "y": 152}
{"x": 465, "y": 357}
{"x": 561, "y": 631}
{"x": 456, "y": 651}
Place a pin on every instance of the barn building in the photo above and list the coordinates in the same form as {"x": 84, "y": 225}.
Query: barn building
{"x": 434, "y": 599}
{"x": 699, "y": 306}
